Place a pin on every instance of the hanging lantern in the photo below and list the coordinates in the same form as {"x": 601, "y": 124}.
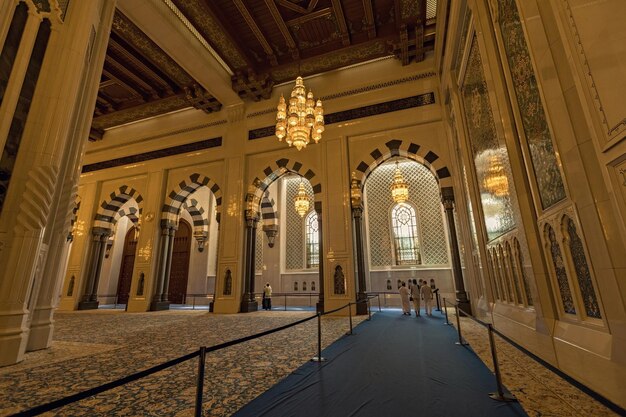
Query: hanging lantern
{"x": 399, "y": 188}
{"x": 301, "y": 201}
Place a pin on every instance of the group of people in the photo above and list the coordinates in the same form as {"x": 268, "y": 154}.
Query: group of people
{"x": 415, "y": 292}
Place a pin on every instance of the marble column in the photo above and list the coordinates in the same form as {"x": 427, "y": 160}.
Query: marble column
{"x": 357, "y": 215}
{"x": 320, "y": 302}
{"x": 50, "y": 94}
{"x": 248, "y": 302}
{"x": 160, "y": 299}
{"x": 171, "y": 234}
{"x": 53, "y": 270}
{"x": 96, "y": 255}
{"x": 447, "y": 198}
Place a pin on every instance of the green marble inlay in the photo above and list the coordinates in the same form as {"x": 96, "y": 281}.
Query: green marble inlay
{"x": 543, "y": 155}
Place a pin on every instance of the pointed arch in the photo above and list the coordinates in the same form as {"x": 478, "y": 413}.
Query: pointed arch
{"x": 276, "y": 170}
{"x": 200, "y": 222}
{"x": 106, "y": 215}
{"x": 407, "y": 149}
{"x": 176, "y": 197}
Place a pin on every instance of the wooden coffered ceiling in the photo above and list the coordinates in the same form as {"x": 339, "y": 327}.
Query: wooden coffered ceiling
{"x": 263, "y": 42}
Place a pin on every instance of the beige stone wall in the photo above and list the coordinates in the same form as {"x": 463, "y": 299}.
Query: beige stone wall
{"x": 570, "y": 44}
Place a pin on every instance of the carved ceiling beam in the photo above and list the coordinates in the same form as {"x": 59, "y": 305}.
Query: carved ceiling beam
{"x": 291, "y": 44}
{"x": 341, "y": 21}
{"x": 311, "y": 16}
{"x": 116, "y": 69}
{"x": 257, "y": 32}
{"x": 103, "y": 102}
{"x": 292, "y": 6}
{"x": 370, "y": 25}
{"x": 144, "y": 65}
{"x": 115, "y": 80}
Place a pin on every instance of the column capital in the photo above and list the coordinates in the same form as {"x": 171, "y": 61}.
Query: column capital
{"x": 357, "y": 212}
{"x": 251, "y": 216}
{"x": 447, "y": 198}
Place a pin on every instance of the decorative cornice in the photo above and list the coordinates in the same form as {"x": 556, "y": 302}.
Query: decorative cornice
{"x": 366, "y": 111}
{"x": 360, "y": 90}
{"x": 160, "y": 153}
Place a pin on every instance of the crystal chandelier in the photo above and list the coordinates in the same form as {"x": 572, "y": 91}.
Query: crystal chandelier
{"x": 301, "y": 201}
{"x": 304, "y": 120}
{"x": 495, "y": 180}
{"x": 399, "y": 188}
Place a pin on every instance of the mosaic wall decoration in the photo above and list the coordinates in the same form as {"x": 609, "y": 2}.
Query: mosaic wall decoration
{"x": 294, "y": 225}
{"x": 339, "y": 281}
{"x": 520, "y": 260}
{"x": 561, "y": 273}
{"x": 491, "y": 160}
{"x": 542, "y": 152}
{"x": 581, "y": 267}
{"x": 514, "y": 273}
{"x": 258, "y": 247}
{"x": 424, "y": 195}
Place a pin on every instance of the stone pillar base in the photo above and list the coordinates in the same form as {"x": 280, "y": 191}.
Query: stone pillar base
{"x": 249, "y": 306}
{"x": 319, "y": 306}
{"x": 361, "y": 308}
{"x": 88, "y": 305}
{"x": 464, "y": 304}
{"x": 159, "y": 305}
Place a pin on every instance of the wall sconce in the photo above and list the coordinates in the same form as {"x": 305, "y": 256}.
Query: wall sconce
{"x": 201, "y": 238}
{"x": 107, "y": 251}
{"x": 271, "y": 230}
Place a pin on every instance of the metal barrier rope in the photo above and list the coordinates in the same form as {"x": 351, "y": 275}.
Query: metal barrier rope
{"x": 203, "y": 350}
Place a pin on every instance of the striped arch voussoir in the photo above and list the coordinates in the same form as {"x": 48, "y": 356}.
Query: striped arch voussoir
{"x": 200, "y": 222}
{"x": 408, "y": 150}
{"x": 108, "y": 212}
{"x": 276, "y": 170}
{"x": 176, "y": 197}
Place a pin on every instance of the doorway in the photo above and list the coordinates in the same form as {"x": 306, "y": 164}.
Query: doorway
{"x": 179, "y": 274}
{"x": 126, "y": 270}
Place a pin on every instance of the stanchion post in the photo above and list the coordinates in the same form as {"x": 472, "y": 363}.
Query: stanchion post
{"x": 499, "y": 395}
{"x": 445, "y": 310}
{"x": 437, "y": 299}
{"x": 378, "y": 295}
{"x": 458, "y": 325}
{"x": 200, "y": 384}
{"x": 369, "y": 309}
{"x": 319, "y": 358}
{"x": 285, "y": 302}
{"x": 350, "y": 315}
{"x": 193, "y": 302}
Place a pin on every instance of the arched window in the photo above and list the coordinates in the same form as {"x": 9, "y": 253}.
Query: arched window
{"x": 312, "y": 285}
{"x": 389, "y": 284}
{"x": 312, "y": 240}
{"x": 303, "y": 285}
{"x": 404, "y": 227}
{"x": 295, "y": 286}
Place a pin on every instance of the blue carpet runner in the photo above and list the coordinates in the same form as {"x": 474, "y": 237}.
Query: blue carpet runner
{"x": 393, "y": 365}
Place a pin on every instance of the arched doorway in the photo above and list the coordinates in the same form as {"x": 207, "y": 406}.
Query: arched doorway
{"x": 126, "y": 269}
{"x": 179, "y": 274}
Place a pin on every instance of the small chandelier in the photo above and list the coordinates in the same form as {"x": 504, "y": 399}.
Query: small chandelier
{"x": 305, "y": 119}
{"x": 399, "y": 188}
{"x": 301, "y": 201}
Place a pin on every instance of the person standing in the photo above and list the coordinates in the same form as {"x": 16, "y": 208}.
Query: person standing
{"x": 415, "y": 296}
{"x": 427, "y": 295}
{"x": 267, "y": 297}
{"x": 404, "y": 298}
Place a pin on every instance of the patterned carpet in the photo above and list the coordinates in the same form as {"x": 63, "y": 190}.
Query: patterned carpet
{"x": 540, "y": 391}
{"x": 94, "y": 347}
